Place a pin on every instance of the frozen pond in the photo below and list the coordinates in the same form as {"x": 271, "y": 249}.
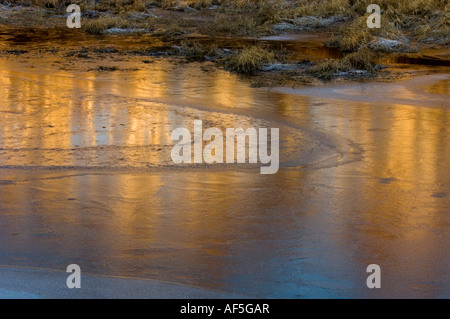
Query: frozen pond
{"x": 86, "y": 178}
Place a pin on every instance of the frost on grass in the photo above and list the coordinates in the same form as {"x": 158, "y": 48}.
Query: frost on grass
{"x": 306, "y": 23}
{"x": 389, "y": 45}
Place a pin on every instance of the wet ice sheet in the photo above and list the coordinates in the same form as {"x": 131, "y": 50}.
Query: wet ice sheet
{"x": 293, "y": 234}
{"x": 52, "y": 119}
{"x": 431, "y": 90}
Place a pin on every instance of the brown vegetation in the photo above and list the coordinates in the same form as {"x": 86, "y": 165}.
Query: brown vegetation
{"x": 403, "y": 22}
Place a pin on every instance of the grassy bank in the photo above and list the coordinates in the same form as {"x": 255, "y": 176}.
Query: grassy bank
{"x": 422, "y": 20}
{"x": 406, "y": 26}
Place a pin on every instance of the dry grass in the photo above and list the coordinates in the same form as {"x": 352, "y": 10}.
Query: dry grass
{"x": 350, "y": 40}
{"x": 325, "y": 8}
{"x": 171, "y": 30}
{"x": 250, "y": 60}
{"x": 242, "y": 25}
{"x": 425, "y": 20}
{"x": 195, "y": 51}
{"x": 174, "y": 4}
{"x": 357, "y": 34}
{"x": 97, "y": 26}
{"x": 436, "y": 31}
{"x": 227, "y": 25}
{"x": 363, "y": 60}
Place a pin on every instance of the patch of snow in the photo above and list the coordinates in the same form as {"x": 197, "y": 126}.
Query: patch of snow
{"x": 6, "y": 11}
{"x": 279, "y": 67}
{"x": 389, "y": 45}
{"x": 307, "y": 23}
{"x": 122, "y": 31}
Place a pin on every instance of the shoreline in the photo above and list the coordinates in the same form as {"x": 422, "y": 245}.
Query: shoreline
{"x": 290, "y": 57}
